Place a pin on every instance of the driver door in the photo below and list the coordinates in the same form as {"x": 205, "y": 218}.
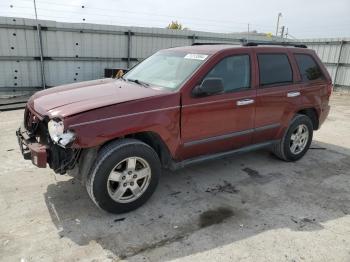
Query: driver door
{"x": 225, "y": 121}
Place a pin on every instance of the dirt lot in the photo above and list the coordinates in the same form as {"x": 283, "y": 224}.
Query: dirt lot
{"x": 248, "y": 208}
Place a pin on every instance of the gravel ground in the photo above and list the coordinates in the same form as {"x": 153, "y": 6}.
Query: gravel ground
{"x": 249, "y": 208}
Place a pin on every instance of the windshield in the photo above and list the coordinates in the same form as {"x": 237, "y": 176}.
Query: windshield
{"x": 166, "y": 69}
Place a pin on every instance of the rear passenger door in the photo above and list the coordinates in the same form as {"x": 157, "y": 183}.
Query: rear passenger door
{"x": 278, "y": 94}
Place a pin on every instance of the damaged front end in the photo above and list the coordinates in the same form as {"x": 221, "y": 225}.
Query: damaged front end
{"x": 45, "y": 141}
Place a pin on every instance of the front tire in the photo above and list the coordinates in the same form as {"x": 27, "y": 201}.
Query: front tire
{"x": 296, "y": 140}
{"x": 124, "y": 176}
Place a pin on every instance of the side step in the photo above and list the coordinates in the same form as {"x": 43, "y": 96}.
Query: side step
{"x": 221, "y": 155}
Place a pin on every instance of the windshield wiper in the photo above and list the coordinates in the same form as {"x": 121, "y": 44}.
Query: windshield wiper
{"x": 138, "y": 82}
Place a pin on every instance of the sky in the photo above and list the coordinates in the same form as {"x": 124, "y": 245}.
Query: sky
{"x": 303, "y": 18}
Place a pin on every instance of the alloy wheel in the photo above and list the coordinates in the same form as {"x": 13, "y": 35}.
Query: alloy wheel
{"x": 129, "y": 179}
{"x": 299, "y": 139}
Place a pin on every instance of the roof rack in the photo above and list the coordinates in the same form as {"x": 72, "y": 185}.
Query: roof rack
{"x": 199, "y": 43}
{"x": 275, "y": 43}
{"x": 244, "y": 43}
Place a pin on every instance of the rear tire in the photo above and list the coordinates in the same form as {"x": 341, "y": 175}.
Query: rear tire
{"x": 296, "y": 140}
{"x": 124, "y": 176}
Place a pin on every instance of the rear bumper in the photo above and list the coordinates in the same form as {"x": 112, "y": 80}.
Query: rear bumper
{"x": 31, "y": 149}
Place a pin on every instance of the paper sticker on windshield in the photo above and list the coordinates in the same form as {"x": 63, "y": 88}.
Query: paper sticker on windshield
{"x": 196, "y": 56}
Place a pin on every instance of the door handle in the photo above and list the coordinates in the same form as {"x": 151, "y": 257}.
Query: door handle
{"x": 293, "y": 94}
{"x": 245, "y": 102}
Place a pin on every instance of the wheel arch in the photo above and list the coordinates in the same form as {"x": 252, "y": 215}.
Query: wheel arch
{"x": 156, "y": 142}
{"x": 312, "y": 114}
{"x": 153, "y": 140}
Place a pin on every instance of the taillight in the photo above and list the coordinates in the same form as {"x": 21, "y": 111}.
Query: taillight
{"x": 329, "y": 89}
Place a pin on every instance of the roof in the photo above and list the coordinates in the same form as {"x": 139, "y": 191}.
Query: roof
{"x": 204, "y": 49}
{"x": 214, "y": 48}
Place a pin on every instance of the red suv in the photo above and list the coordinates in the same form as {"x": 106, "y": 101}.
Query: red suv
{"x": 178, "y": 107}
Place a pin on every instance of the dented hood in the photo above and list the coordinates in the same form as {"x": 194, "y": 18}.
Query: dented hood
{"x": 75, "y": 98}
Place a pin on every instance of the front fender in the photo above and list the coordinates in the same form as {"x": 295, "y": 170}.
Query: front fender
{"x": 99, "y": 126}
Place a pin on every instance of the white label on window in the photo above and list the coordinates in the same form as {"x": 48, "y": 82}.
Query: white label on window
{"x": 196, "y": 56}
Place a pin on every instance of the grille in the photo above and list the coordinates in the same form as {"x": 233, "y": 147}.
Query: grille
{"x": 30, "y": 120}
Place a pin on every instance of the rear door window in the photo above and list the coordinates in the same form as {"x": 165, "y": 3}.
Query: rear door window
{"x": 274, "y": 69}
{"x": 308, "y": 68}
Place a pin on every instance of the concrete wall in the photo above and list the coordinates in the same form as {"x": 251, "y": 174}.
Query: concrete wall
{"x": 77, "y": 52}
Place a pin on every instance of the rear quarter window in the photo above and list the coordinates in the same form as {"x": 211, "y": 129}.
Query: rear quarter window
{"x": 308, "y": 68}
{"x": 274, "y": 69}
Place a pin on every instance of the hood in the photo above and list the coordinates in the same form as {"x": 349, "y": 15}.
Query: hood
{"x": 75, "y": 98}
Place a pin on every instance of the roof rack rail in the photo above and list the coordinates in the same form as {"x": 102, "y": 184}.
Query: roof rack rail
{"x": 199, "y": 43}
{"x": 295, "y": 44}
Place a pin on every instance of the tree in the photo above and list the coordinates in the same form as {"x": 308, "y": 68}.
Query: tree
{"x": 176, "y": 25}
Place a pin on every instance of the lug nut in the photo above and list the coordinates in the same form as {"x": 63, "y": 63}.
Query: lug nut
{"x": 123, "y": 177}
{"x": 134, "y": 176}
{"x": 130, "y": 173}
{"x": 132, "y": 183}
{"x": 124, "y": 184}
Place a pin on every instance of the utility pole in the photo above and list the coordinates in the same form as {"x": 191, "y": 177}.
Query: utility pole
{"x": 248, "y": 33}
{"x": 36, "y": 14}
{"x": 282, "y": 31}
{"x": 278, "y": 22}
{"x": 38, "y": 29}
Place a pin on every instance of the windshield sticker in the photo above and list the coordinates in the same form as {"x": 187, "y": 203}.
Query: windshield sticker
{"x": 196, "y": 56}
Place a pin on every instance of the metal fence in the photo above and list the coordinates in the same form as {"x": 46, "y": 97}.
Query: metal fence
{"x": 57, "y": 53}
{"x": 335, "y": 54}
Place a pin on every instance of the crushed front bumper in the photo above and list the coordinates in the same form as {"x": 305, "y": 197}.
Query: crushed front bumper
{"x": 31, "y": 149}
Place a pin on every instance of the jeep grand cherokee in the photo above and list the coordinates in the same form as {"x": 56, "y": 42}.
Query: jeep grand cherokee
{"x": 178, "y": 107}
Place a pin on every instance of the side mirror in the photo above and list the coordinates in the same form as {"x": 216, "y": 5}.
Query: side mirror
{"x": 209, "y": 86}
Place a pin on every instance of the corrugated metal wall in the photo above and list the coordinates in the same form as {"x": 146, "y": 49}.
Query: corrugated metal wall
{"x": 335, "y": 54}
{"x": 77, "y": 52}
